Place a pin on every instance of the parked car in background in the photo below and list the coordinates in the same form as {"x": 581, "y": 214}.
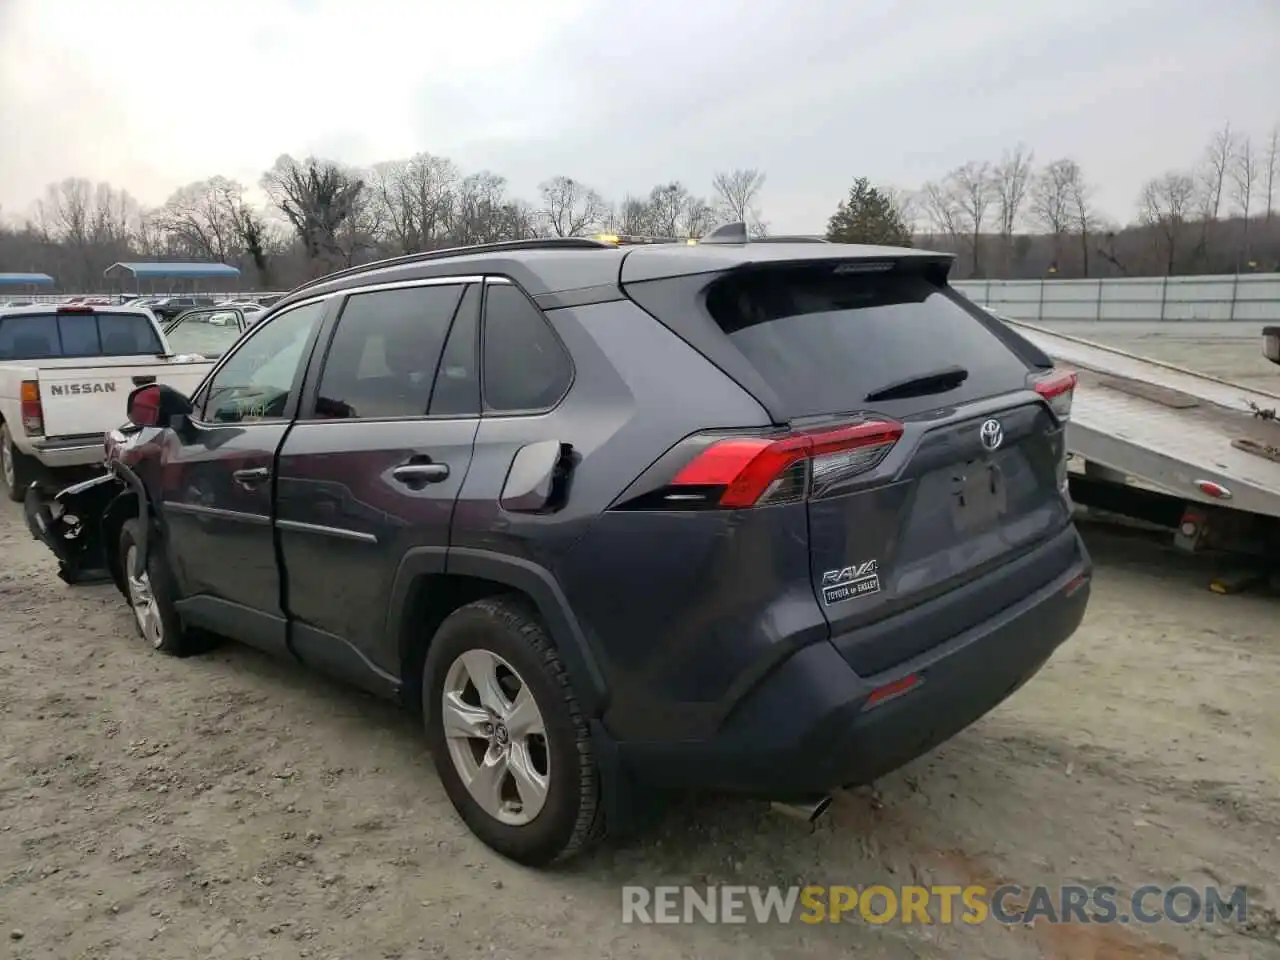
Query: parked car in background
{"x": 771, "y": 519}
{"x": 65, "y": 372}
{"x": 169, "y": 308}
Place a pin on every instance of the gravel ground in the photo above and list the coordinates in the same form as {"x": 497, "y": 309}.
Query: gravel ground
{"x": 230, "y": 806}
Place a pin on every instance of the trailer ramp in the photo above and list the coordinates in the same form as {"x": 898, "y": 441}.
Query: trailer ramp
{"x": 1197, "y": 437}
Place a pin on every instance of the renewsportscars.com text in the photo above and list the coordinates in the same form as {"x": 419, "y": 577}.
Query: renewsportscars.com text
{"x": 1009, "y": 904}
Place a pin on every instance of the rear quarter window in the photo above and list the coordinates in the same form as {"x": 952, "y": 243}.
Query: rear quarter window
{"x": 823, "y": 341}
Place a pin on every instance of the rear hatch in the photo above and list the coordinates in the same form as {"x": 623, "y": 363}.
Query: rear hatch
{"x": 88, "y": 362}
{"x": 925, "y": 438}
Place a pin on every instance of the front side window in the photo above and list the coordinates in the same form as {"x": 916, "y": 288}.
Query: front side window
{"x": 256, "y": 382}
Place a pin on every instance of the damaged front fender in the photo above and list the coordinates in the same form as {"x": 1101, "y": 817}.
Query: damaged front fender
{"x": 80, "y": 525}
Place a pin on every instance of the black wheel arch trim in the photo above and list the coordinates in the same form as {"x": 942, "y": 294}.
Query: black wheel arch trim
{"x": 135, "y": 485}
{"x": 535, "y": 581}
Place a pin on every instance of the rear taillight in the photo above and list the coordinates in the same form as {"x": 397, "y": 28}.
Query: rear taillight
{"x": 1058, "y": 387}
{"x": 739, "y": 472}
{"x": 32, "y": 411}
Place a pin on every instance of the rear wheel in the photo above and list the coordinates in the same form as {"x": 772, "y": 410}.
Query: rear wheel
{"x": 507, "y": 736}
{"x": 16, "y": 469}
{"x": 151, "y": 594}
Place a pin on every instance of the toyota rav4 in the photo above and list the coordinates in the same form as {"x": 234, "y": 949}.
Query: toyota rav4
{"x": 764, "y": 518}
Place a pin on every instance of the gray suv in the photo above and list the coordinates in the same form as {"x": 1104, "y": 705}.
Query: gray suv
{"x": 765, "y": 518}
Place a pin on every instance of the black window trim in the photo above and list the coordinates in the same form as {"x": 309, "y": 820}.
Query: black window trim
{"x": 486, "y": 414}
{"x": 291, "y": 408}
{"x": 311, "y": 391}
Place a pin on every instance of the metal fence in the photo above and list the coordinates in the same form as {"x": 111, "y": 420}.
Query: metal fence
{"x": 1247, "y": 297}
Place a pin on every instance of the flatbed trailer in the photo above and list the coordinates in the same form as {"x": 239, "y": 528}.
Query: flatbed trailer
{"x": 1170, "y": 446}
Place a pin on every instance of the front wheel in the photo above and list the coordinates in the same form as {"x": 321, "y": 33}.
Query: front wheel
{"x": 507, "y": 736}
{"x": 151, "y": 593}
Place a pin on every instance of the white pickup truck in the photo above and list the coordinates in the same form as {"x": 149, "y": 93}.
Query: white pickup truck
{"x": 65, "y": 374}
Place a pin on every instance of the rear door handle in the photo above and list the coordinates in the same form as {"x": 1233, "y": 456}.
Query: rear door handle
{"x": 141, "y": 381}
{"x": 418, "y": 474}
{"x": 252, "y": 476}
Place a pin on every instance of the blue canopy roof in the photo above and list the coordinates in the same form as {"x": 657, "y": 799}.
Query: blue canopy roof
{"x": 173, "y": 269}
{"x": 25, "y": 279}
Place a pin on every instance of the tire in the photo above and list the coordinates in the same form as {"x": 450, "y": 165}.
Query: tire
{"x": 16, "y": 469}
{"x": 151, "y": 595}
{"x": 502, "y": 638}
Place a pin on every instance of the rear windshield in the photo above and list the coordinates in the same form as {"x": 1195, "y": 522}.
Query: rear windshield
{"x": 49, "y": 336}
{"x": 823, "y": 341}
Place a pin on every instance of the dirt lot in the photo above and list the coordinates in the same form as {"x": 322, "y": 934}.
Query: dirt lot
{"x": 230, "y": 806}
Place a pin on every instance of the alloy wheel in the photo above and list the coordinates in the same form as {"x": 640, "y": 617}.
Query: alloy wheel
{"x": 145, "y": 609}
{"x": 496, "y": 736}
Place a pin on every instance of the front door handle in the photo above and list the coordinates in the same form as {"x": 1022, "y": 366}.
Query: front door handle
{"x": 251, "y": 477}
{"x": 419, "y": 474}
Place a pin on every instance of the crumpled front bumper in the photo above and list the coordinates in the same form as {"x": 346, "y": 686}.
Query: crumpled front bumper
{"x": 70, "y": 525}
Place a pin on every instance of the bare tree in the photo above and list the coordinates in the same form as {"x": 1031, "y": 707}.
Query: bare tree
{"x": 941, "y": 210}
{"x": 569, "y": 206}
{"x": 484, "y": 213}
{"x": 200, "y": 217}
{"x": 1217, "y": 167}
{"x": 1166, "y": 204}
{"x": 737, "y": 194}
{"x": 317, "y": 197}
{"x": 65, "y": 213}
{"x": 1051, "y": 202}
{"x": 635, "y": 217}
{"x": 667, "y": 205}
{"x": 114, "y": 218}
{"x": 1010, "y": 181}
{"x": 1271, "y": 166}
{"x": 1243, "y": 174}
{"x": 974, "y": 191}
{"x": 699, "y": 217}
{"x": 1083, "y": 218}
{"x": 907, "y": 204}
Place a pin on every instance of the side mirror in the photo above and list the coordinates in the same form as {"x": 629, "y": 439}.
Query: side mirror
{"x": 156, "y": 404}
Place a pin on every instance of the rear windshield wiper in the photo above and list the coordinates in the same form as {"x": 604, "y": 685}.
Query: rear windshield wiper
{"x": 936, "y": 381}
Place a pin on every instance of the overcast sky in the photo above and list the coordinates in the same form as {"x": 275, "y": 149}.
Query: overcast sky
{"x": 152, "y": 94}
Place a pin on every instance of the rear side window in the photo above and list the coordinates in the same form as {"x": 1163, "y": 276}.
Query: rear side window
{"x": 824, "y": 341}
{"x": 37, "y": 336}
{"x": 525, "y": 366}
{"x": 383, "y": 356}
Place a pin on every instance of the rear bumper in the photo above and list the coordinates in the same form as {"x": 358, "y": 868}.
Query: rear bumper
{"x": 77, "y": 451}
{"x": 807, "y": 728}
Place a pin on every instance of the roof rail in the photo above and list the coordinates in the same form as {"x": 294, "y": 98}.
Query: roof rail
{"x": 540, "y": 243}
{"x": 794, "y": 238}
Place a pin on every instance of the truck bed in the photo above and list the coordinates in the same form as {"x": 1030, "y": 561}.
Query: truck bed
{"x": 1169, "y": 427}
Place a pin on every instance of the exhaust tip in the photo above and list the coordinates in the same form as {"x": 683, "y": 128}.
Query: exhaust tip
{"x": 809, "y": 811}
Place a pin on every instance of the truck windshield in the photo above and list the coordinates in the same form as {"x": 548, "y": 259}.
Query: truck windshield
{"x": 51, "y": 336}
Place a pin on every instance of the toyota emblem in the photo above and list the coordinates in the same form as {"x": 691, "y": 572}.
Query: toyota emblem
{"x": 992, "y": 435}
